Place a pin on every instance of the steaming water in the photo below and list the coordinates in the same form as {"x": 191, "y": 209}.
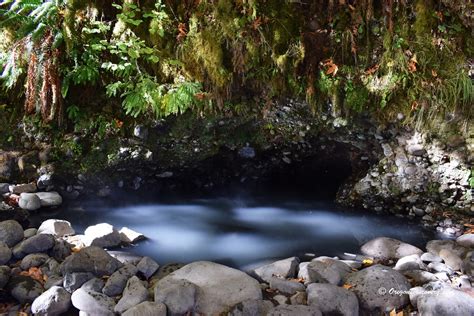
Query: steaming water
{"x": 241, "y": 231}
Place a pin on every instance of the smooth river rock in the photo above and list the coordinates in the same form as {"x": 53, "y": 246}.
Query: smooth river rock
{"x": 11, "y": 232}
{"x": 466, "y": 240}
{"x": 91, "y": 259}
{"x": 446, "y": 302}
{"x": 102, "y": 235}
{"x": 219, "y": 287}
{"x": 49, "y": 199}
{"x": 54, "y": 301}
{"x": 135, "y": 293}
{"x": 24, "y": 289}
{"x": 327, "y": 270}
{"x": 333, "y": 300}
{"x": 389, "y": 248}
{"x": 29, "y": 201}
{"x": 93, "y": 303}
{"x": 285, "y": 268}
{"x": 56, "y": 227}
{"x": 147, "y": 309}
{"x": 294, "y": 310}
{"x": 35, "y": 244}
{"x": 379, "y": 288}
{"x": 5, "y": 253}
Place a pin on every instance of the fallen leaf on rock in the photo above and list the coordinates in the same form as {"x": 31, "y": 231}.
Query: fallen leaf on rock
{"x": 347, "y": 286}
{"x": 34, "y": 273}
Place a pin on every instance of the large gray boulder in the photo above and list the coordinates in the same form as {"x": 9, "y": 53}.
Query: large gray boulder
{"x": 147, "y": 309}
{"x": 178, "y": 295}
{"x": 54, "y": 301}
{"x": 445, "y": 302}
{"x": 29, "y": 201}
{"x": 24, "y": 289}
{"x": 135, "y": 293}
{"x": 294, "y": 310}
{"x": 389, "y": 248}
{"x": 5, "y": 253}
{"x": 49, "y": 199}
{"x": 93, "y": 303}
{"x": 285, "y": 268}
{"x": 117, "y": 281}
{"x": 219, "y": 287}
{"x": 91, "y": 259}
{"x": 379, "y": 288}
{"x": 333, "y": 300}
{"x": 56, "y": 227}
{"x": 102, "y": 235}
{"x": 35, "y": 244}
{"x": 326, "y": 270}
{"x": 11, "y": 232}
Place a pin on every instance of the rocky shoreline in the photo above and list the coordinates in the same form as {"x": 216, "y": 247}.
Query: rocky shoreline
{"x": 51, "y": 270}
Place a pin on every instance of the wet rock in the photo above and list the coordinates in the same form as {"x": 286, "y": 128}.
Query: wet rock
{"x": 30, "y": 232}
{"x": 251, "y": 307}
{"x": 294, "y": 310}
{"x": 75, "y": 280}
{"x": 125, "y": 257}
{"x": 466, "y": 240}
{"x": 451, "y": 259}
{"x": 134, "y": 293}
{"x": 327, "y": 270}
{"x": 61, "y": 249}
{"x": 412, "y": 262}
{"x": 286, "y": 286}
{"x": 167, "y": 269}
{"x": 90, "y": 259}
{"x": 23, "y": 188}
{"x": 93, "y": 303}
{"x": 178, "y": 295}
{"x": 49, "y": 199}
{"x": 4, "y": 275}
{"x": 24, "y": 289}
{"x": 117, "y": 281}
{"x": 220, "y": 287}
{"x": 5, "y": 253}
{"x": 146, "y": 309}
{"x": 130, "y": 236}
{"x": 285, "y": 268}
{"x": 280, "y": 299}
{"x": 29, "y": 201}
{"x": 54, "y": 280}
{"x": 35, "y": 244}
{"x": 388, "y": 248}
{"x": 102, "y": 235}
{"x": 147, "y": 267}
{"x": 54, "y": 301}
{"x": 378, "y": 287}
{"x": 429, "y": 257}
{"x": 94, "y": 284}
{"x": 33, "y": 260}
{"x": 446, "y": 302}
{"x": 435, "y": 246}
{"x": 333, "y": 300}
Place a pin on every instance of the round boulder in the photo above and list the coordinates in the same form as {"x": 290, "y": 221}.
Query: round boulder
{"x": 56, "y": 227}
{"x": 11, "y": 232}
{"x": 29, "y": 201}
{"x": 389, "y": 248}
{"x": 54, "y": 301}
{"x": 379, "y": 288}
{"x": 219, "y": 287}
{"x": 333, "y": 300}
